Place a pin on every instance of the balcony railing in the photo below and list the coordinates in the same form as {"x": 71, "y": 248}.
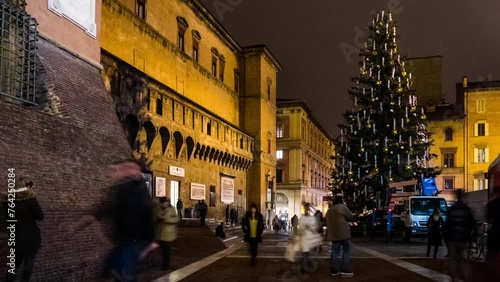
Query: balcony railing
{"x": 18, "y": 58}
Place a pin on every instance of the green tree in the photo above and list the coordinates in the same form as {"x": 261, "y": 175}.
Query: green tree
{"x": 384, "y": 136}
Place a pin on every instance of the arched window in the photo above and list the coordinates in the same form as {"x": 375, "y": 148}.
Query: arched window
{"x": 448, "y": 134}
{"x": 182, "y": 26}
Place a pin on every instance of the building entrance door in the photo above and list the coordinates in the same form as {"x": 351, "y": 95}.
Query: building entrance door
{"x": 175, "y": 187}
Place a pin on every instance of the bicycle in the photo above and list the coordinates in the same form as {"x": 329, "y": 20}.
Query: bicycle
{"x": 476, "y": 249}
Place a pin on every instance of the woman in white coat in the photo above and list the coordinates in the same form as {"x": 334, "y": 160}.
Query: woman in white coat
{"x": 308, "y": 237}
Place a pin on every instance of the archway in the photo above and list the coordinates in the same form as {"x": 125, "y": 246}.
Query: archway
{"x": 132, "y": 129}
{"x": 282, "y": 205}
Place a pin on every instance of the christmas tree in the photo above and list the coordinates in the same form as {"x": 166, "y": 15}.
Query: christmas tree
{"x": 384, "y": 136}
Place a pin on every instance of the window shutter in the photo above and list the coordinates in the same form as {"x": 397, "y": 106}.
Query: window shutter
{"x": 486, "y": 129}
{"x": 487, "y": 155}
{"x": 476, "y": 184}
{"x": 475, "y": 129}
{"x": 476, "y": 159}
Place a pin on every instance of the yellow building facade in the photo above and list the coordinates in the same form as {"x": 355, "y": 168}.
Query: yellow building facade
{"x": 199, "y": 109}
{"x": 304, "y": 158}
{"x": 481, "y": 102}
{"x": 466, "y": 135}
{"x": 446, "y": 123}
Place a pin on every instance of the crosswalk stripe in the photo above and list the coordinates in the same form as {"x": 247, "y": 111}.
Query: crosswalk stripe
{"x": 431, "y": 274}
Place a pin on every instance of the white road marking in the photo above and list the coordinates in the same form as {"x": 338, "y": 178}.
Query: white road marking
{"x": 431, "y": 274}
{"x": 182, "y": 273}
{"x": 230, "y": 238}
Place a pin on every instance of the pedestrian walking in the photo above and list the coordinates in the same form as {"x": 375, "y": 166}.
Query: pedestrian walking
{"x": 132, "y": 214}
{"x": 338, "y": 231}
{"x": 253, "y": 227}
{"x": 202, "y": 209}
{"x": 227, "y": 215}
{"x": 28, "y": 238}
{"x": 434, "y": 236}
{"x": 166, "y": 229}
{"x": 458, "y": 233}
{"x": 308, "y": 236}
{"x": 179, "y": 207}
{"x": 295, "y": 223}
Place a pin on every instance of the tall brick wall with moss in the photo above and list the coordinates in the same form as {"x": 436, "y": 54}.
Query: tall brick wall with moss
{"x": 65, "y": 145}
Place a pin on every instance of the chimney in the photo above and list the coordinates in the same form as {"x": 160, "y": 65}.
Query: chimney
{"x": 464, "y": 82}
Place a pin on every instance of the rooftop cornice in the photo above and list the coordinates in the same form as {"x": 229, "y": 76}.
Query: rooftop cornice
{"x": 284, "y": 103}
{"x": 262, "y": 49}
{"x": 214, "y": 24}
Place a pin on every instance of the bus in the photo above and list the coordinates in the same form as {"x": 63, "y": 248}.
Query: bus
{"x": 418, "y": 209}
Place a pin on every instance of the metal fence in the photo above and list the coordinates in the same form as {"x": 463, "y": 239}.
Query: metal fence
{"x": 18, "y": 58}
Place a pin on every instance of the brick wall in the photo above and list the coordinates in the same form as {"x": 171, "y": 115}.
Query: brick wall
{"x": 65, "y": 150}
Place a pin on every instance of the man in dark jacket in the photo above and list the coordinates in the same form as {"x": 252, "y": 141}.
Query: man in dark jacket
{"x": 26, "y": 210}
{"x": 202, "y": 209}
{"x": 457, "y": 233}
{"x": 180, "y": 206}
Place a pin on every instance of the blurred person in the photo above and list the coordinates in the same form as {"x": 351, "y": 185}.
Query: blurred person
{"x": 28, "y": 238}
{"x": 320, "y": 222}
{"x": 457, "y": 234}
{"x": 131, "y": 212}
{"x": 295, "y": 223}
{"x": 219, "y": 231}
{"x": 232, "y": 215}
{"x": 253, "y": 227}
{"x": 237, "y": 217}
{"x": 227, "y": 215}
{"x": 179, "y": 207}
{"x": 338, "y": 232}
{"x": 309, "y": 238}
{"x": 493, "y": 215}
{"x": 276, "y": 224}
{"x": 434, "y": 236}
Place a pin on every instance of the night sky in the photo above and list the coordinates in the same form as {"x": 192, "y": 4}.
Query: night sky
{"x": 306, "y": 40}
